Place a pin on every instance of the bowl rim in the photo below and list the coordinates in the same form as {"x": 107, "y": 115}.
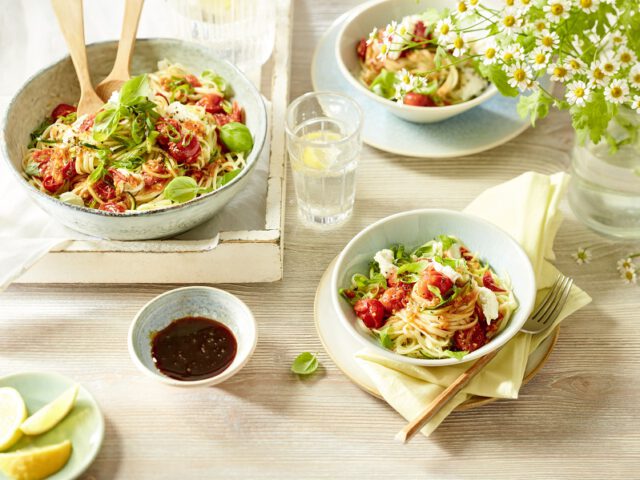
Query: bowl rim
{"x": 488, "y": 92}
{"x": 525, "y": 305}
{"x": 253, "y": 155}
{"x": 252, "y": 333}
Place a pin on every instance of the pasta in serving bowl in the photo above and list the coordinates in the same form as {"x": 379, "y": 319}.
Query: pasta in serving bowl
{"x": 461, "y": 290}
{"x": 162, "y": 156}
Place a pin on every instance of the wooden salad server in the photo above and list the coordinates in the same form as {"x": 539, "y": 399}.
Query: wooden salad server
{"x": 120, "y": 72}
{"x": 70, "y": 18}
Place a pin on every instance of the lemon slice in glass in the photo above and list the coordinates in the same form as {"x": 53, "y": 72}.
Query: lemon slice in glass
{"x": 51, "y": 414}
{"x": 35, "y": 463}
{"x": 12, "y": 414}
{"x": 320, "y": 157}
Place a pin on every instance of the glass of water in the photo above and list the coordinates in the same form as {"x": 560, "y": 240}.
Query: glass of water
{"x": 324, "y": 143}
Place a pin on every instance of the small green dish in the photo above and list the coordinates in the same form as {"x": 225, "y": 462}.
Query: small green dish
{"x": 84, "y": 425}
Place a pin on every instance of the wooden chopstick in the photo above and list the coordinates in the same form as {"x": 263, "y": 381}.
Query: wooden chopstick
{"x": 415, "y": 425}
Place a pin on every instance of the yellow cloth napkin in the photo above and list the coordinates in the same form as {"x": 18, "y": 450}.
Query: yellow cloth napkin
{"x": 527, "y": 208}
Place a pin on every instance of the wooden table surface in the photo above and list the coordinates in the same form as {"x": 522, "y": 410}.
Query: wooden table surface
{"x": 577, "y": 419}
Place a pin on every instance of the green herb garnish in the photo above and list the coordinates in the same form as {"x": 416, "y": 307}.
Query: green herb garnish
{"x": 305, "y": 364}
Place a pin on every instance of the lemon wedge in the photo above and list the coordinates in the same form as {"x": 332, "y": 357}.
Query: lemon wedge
{"x": 319, "y": 158}
{"x": 12, "y": 414}
{"x": 51, "y": 414}
{"x": 35, "y": 463}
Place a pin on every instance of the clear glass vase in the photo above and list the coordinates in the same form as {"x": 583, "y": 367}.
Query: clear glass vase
{"x": 604, "y": 192}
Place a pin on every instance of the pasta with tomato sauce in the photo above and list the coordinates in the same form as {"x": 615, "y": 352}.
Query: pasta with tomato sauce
{"x": 437, "y": 301}
{"x": 163, "y": 139}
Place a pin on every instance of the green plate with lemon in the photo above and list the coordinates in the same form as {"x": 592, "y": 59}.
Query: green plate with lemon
{"x": 63, "y": 424}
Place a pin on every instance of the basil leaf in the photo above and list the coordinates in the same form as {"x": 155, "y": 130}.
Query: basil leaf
{"x": 183, "y": 189}
{"x": 105, "y": 124}
{"x": 447, "y": 241}
{"x": 305, "y": 364}
{"x": 410, "y": 272}
{"x": 427, "y": 250}
{"x": 385, "y": 339}
{"x": 383, "y": 84}
{"x": 97, "y": 173}
{"x": 135, "y": 90}
{"x": 227, "y": 177}
{"x": 454, "y": 354}
{"x": 237, "y": 137}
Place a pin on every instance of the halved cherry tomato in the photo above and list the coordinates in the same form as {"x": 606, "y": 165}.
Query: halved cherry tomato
{"x": 418, "y": 100}
{"x": 371, "y": 311}
{"x": 51, "y": 183}
{"x": 488, "y": 282}
{"x": 169, "y": 130}
{"x": 436, "y": 279}
{"x": 211, "y": 103}
{"x": 185, "y": 153}
{"x": 361, "y": 49}
{"x": 470, "y": 339}
{"x": 69, "y": 170}
{"x": 104, "y": 190}
{"x": 112, "y": 207}
{"x": 87, "y": 123}
{"x": 62, "y": 110}
{"x": 236, "y": 115}
{"x": 394, "y": 299}
{"x": 192, "y": 80}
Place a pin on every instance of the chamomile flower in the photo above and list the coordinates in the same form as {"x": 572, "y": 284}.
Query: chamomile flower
{"x": 559, "y": 72}
{"x": 629, "y": 276}
{"x": 390, "y": 29}
{"x": 596, "y": 74}
{"x": 557, "y": 10}
{"x": 635, "y": 105}
{"x": 463, "y": 8}
{"x": 617, "y": 91}
{"x": 444, "y": 31}
{"x": 634, "y": 76}
{"x": 512, "y": 52}
{"x": 539, "y": 58}
{"x": 617, "y": 39}
{"x": 459, "y": 45}
{"x": 578, "y": 93}
{"x": 490, "y": 52}
{"x": 373, "y": 36}
{"x": 510, "y": 3}
{"x": 626, "y": 56}
{"x": 626, "y": 264}
{"x": 609, "y": 64}
{"x": 575, "y": 65}
{"x": 524, "y": 6}
{"x": 547, "y": 40}
{"x": 582, "y": 256}
{"x": 510, "y": 22}
{"x": 407, "y": 82}
{"x": 385, "y": 46}
{"x": 588, "y": 6}
{"x": 519, "y": 75}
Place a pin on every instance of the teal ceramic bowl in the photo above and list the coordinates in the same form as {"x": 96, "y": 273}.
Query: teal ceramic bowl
{"x": 206, "y": 302}
{"x": 58, "y": 84}
{"x": 416, "y": 227}
{"x": 84, "y": 425}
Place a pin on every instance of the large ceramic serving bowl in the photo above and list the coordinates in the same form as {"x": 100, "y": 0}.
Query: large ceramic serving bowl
{"x": 378, "y": 13}
{"x": 58, "y": 84}
{"x": 414, "y": 228}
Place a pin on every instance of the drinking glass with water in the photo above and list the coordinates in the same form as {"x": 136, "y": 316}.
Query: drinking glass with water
{"x": 324, "y": 144}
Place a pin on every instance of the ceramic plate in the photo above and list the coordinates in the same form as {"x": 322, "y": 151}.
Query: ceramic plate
{"x": 481, "y": 128}
{"x": 341, "y": 346}
{"x": 84, "y": 426}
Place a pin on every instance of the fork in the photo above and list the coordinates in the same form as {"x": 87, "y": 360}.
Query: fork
{"x": 542, "y": 318}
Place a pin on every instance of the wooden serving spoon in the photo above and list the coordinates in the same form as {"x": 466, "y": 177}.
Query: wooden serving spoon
{"x": 71, "y": 21}
{"x": 120, "y": 72}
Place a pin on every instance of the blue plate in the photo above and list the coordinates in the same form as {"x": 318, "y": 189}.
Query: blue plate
{"x": 481, "y": 128}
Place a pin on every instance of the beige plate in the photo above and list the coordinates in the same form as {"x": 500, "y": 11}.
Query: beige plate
{"x": 341, "y": 346}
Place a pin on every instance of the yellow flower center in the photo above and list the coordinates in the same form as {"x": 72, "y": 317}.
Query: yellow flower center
{"x": 628, "y": 275}
{"x": 586, "y": 3}
{"x": 540, "y": 58}
{"x": 574, "y": 64}
{"x": 636, "y": 78}
{"x": 510, "y": 3}
{"x": 458, "y": 42}
{"x": 625, "y": 57}
{"x": 559, "y": 72}
{"x": 608, "y": 67}
{"x": 462, "y": 7}
{"x": 547, "y": 41}
{"x": 507, "y": 56}
{"x": 557, "y": 9}
{"x": 616, "y": 92}
{"x": 540, "y": 26}
{"x": 617, "y": 39}
{"x": 473, "y": 2}
{"x": 509, "y": 21}
{"x": 598, "y": 74}
{"x": 444, "y": 29}
{"x": 490, "y": 53}
{"x": 519, "y": 74}
{"x": 579, "y": 92}
{"x": 525, "y": 2}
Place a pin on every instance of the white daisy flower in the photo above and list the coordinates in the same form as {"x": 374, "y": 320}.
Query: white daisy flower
{"x": 524, "y": 6}
{"x": 547, "y": 40}
{"x": 626, "y": 264}
{"x": 635, "y": 105}
{"x": 557, "y": 10}
{"x": 519, "y": 75}
{"x": 407, "y": 81}
{"x": 444, "y": 31}
{"x": 617, "y": 91}
{"x": 490, "y": 52}
{"x": 582, "y": 256}
{"x": 463, "y": 9}
{"x": 617, "y": 38}
{"x": 512, "y": 52}
{"x": 539, "y": 58}
{"x": 559, "y": 72}
{"x": 609, "y": 64}
{"x": 634, "y": 76}
{"x": 384, "y": 49}
{"x": 574, "y": 65}
{"x": 626, "y": 56}
{"x": 510, "y": 3}
{"x": 459, "y": 45}
{"x": 390, "y": 29}
{"x": 629, "y": 276}
{"x": 373, "y": 36}
{"x": 596, "y": 74}
{"x": 540, "y": 25}
{"x": 511, "y": 22}
{"x": 588, "y": 6}
{"x": 578, "y": 93}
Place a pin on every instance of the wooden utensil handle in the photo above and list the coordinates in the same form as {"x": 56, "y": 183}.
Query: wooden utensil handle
{"x": 70, "y": 18}
{"x": 441, "y": 400}
{"x": 132, "y": 11}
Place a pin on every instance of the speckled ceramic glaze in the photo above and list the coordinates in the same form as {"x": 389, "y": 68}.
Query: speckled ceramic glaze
{"x": 192, "y": 302}
{"x": 58, "y": 84}
{"x": 416, "y": 227}
{"x": 84, "y": 425}
{"x": 379, "y": 13}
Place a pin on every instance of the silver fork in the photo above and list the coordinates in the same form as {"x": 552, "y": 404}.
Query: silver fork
{"x": 541, "y": 319}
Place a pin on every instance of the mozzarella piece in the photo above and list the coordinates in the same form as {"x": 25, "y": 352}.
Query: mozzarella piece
{"x": 489, "y": 303}
{"x": 182, "y": 112}
{"x": 454, "y": 251}
{"x": 447, "y": 271}
{"x": 385, "y": 260}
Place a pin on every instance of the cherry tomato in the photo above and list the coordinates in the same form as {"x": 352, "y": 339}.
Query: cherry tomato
{"x": 112, "y": 207}
{"x": 192, "y": 80}
{"x": 394, "y": 299}
{"x": 185, "y": 153}
{"x": 436, "y": 279}
{"x": 87, "y": 123}
{"x": 419, "y": 31}
{"x": 211, "y": 103}
{"x": 418, "y": 100}
{"x": 69, "y": 170}
{"x": 488, "y": 282}
{"x": 169, "y": 131}
{"x": 104, "y": 190}
{"x": 361, "y": 49}
{"x": 62, "y": 110}
{"x": 465, "y": 253}
{"x": 371, "y": 311}
{"x": 236, "y": 115}
{"x": 470, "y": 339}
{"x": 51, "y": 184}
